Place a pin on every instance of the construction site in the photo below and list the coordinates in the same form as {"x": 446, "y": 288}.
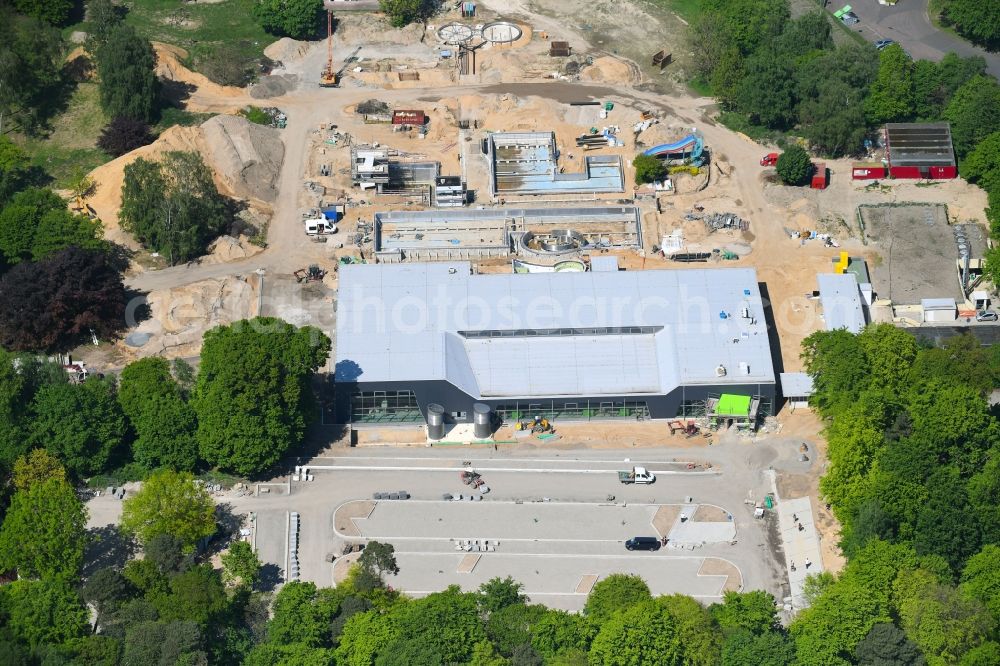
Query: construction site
{"x": 491, "y": 156}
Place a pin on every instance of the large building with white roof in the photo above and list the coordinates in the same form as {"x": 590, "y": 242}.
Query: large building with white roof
{"x": 627, "y": 344}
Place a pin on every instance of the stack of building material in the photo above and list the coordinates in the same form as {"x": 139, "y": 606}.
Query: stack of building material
{"x": 559, "y": 49}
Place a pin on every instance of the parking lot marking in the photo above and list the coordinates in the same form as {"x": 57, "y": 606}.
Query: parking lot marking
{"x": 519, "y": 470}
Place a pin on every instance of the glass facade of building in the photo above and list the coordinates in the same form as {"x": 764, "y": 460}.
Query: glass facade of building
{"x": 385, "y": 407}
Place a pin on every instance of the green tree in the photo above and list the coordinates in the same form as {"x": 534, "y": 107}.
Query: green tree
{"x": 498, "y": 593}
{"x": 557, "y": 633}
{"x": 404, "y": 12}
{"x": 942, "y": 622}
{"x": 794, "y": 166}
{"x": 106, "y": 589}
{"x": 173, "y": 206}
{"x": 241, "y": 565}
{"x": 976, "y": 21}
{"x": 253, "y": 398}
{"x": 295, "y": 654}
{"x": 832, "y": 90}
{"x": 36, "y": 467}
{"x": 891, "y": 97}
{"x": 44, "y": 531}
{"x": 20, "y": 378}
{"x": 30, "y": 61}
{"x": 164, "y": 423}
{"x": 179, "y": 642}
{"x": 982, "y": 165}
{"x": 53, "y": 12}
{"x": 442, "y": 628}
{"x": 170, "y": 503}
{"x": 297, "y": 618}
{"x": 974, "y": 113}
{"x": 766, "y": 92}
{"x": 615, "y": 593}
{"x": 981, "y": 578}
{"x": 81, "y": 424}
{"x": 15, "y": 166}
{"x": 644, "y": 633}
{"x": 298, "y": 19}
{"x": 103, "y": 16}
{"x": 43, "y": 611}
{"x": 648, "y": 169}
{"x": 744, "y": 648}
{"x": 886, "y": 645}
{"x": 126, "y": 66}
{"x": 379, "y": 559}
{"x": 754, "y": 611}
{"x": 196, "y": 595}
{"x": 698, "y": 634}
{"x": 364, "y": 636}
{"x": 35, "y": 224}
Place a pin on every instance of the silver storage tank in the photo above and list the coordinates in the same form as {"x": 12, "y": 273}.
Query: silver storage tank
{"x": 435, "y": 421}
{"x": 482, "y": 421}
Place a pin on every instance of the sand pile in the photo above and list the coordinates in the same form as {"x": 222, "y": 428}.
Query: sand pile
{"x": 207, "y": 95}
{"x": 375, "y": 30}
{"x": 274, "y": 85}
{"x": 179, "y": 317}
{"x": 107, "y": 197}
{"x": 245, "y": 160}
{"x": 287, "y": 50}
{"x": 245, "y": 156}
{"x": 609, "y": 70}
{"x": 227, "y": 248}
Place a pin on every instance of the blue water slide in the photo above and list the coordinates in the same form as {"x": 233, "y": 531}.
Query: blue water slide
{"x": 688, "y": 148}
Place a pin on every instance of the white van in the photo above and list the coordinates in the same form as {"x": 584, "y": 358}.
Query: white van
{"x": 319, "y": 226}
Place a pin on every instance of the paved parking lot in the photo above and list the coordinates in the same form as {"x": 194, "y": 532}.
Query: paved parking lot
{"x": 559, "y": 512}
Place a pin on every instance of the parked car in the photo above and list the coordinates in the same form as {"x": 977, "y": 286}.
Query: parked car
{"x": 642, "y": 543}
{"x": 850, "y": 18}
{"x": 769, "y": 160}
{"x": 987, "y": 315}
{"x": 882, "y": 43}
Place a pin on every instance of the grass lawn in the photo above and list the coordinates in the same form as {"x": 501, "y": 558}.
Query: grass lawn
{"x": 688, "y": 10}
{"x": 200, "y": 28}
{"x": 71, "y": 143}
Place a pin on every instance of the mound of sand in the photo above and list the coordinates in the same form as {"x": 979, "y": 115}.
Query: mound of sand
{"x": 287, "y": 50}
{"x": 608, "y": 69}
{"x": 196, "y": 91}
{"x": 245, "y": 156}
{"x": 226, "y": 248}
{"x": 274, "y": 85}
{"x": 245, "y": 160}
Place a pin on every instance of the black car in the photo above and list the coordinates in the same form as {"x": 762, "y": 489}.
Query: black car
{"x": 642, "y": 543}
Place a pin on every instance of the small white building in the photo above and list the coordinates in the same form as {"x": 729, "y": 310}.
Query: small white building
{"x": 797, "y": 388}
{"x": 939, "y": 310}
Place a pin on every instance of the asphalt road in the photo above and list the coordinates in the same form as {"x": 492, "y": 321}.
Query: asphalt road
{"x": 908, "y": 24}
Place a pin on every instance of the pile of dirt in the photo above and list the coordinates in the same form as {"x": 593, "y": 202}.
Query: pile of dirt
{"x": 227, "y": 248}
{"x": 286, "y": 50}
{"x": 196, "y": 92}
{"x": 274, "y": 85}
{"x": 609, "y": 69}
{"x": 107, "y": 197}
{"x": 245, "y": 156}
{"x": 374, "y": 30}
{"x": 245, "y": 160}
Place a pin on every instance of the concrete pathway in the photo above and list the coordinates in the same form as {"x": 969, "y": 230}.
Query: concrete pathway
{"x": 802, "y": 554}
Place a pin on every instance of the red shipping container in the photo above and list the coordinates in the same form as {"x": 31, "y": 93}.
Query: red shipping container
{"x": 819, "y": 177}
{"x": 408, "y": 117}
